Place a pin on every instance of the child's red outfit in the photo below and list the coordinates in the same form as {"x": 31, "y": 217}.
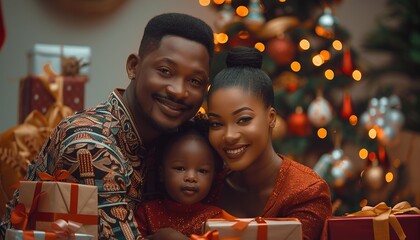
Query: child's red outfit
{"x": 187, "y": 219}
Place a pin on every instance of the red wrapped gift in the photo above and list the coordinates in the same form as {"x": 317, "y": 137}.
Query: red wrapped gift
{"x": 380, "y": 223}
{"x": 39, "y": 93}
{"x": 42, "y": 203}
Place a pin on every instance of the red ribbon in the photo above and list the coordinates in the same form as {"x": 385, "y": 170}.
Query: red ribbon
{"x": 210, "y": 235}
{"x": 72, "y": 215}
{"x": 30, "y": 235}
{"x": 20, "y": 218}
{"x": 59, "y": 176}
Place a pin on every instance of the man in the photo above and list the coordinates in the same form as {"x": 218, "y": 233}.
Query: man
{"x": 106, "y": 145}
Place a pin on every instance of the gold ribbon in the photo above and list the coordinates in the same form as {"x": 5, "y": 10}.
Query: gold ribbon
{"x": 209, "y": 235}
{"x": 23, "y": 142}
{"x": 383, "y": 216}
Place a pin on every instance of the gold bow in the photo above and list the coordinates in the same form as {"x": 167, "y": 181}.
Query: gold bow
{"x": 58, "y": 110}
{"x": 383, "y": 216}
{"x": 20, "y": 145}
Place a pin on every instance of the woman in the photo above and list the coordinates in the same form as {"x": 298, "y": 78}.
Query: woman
{"x": 258, "y": 181}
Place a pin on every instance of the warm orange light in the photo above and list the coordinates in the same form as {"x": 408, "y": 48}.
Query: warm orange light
{"x": 317, "y": 60}
{"x": 222, "y": 38}
{"x": 329, "y": 74}
{"x": 242, "y": 11}
{"x": 389, "y": 177}
{"x": 363, "y": 153}
{"x": 218, "y": 2}
{"x": 204, "y": 3}
{"x": 353, "y": 120}
{"x": 304, "y": 44}
{"x": 337, "y": 45}
{"x": 295, "y": 66}
{"x": 357, "y": 75}
{"x": 243, "y": 34}
{"x": 322, "y": 133}
{"x": 372, "y": 133}
{"x": 260, "y": 46}
{"x": 325, "y": 55}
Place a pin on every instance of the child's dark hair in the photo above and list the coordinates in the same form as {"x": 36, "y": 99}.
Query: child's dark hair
{"x": 176, "y": 24}
{"x": 197, "y": 126}
{"x": 244, "y": 71}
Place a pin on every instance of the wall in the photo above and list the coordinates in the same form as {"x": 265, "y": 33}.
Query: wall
{"x": 111, "y": 40}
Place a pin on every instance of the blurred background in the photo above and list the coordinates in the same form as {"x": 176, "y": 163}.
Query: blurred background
{"x": 345, "y": 75}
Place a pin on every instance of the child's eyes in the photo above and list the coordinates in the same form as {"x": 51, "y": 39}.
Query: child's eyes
{"x": 214, "y": 124}
{"x": 203, "y": 171}
{"x": 179, "y": 168}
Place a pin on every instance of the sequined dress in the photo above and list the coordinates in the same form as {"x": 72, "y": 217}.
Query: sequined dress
{"x": 298, "y": 193}
{"x": 161, "y": 213}
{"x": 106, "y": 136}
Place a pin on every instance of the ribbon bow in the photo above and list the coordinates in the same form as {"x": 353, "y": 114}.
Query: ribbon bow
{"x": 59, "y": 175}
{"x": 385, "y": 216}
{"x": 65, "y": 229}
{"x": 210, "y": 235}
{"x": 20, "y": 217}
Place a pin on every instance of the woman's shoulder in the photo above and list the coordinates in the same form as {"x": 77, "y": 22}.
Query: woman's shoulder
{"x": 292, "y": 170}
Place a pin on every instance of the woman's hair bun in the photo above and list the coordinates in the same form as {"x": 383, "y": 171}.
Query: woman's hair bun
{"x": 244, "y": 57}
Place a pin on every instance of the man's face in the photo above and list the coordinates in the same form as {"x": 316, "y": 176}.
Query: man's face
{"x": 171, "y": 83}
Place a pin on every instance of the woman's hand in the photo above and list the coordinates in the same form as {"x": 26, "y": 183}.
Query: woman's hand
{"x": 167, "y": 234}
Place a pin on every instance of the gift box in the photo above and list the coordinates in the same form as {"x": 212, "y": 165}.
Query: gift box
{"x": 13, "y": 234}
{"x": 361, "y": 228}
{"x": 256, "y": 228}
{"x": 43, "y": 203}
{"x": 38, "y": 93}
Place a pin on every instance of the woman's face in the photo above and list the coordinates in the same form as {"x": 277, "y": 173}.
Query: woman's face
{"x": 239, "y": 126}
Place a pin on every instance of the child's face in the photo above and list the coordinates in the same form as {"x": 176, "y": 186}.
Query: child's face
{"x": 239, "y": 126}
{"x": 188, "y": 169}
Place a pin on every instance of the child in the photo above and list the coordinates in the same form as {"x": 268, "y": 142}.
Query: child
{"x": 188, "y": 165}
{"x": 242, "y": 117}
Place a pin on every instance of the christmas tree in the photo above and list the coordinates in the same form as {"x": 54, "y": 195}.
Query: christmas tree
{"x": 313, "y": 66}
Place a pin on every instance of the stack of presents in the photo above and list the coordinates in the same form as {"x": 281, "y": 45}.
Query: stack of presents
{"x": 46, "y": 98}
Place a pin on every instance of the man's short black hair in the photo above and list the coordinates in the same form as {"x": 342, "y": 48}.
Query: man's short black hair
{"x": 177, "y": 24}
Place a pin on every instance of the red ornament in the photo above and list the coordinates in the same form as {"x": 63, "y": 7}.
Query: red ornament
{"x": 383, "y": 157}
{"x": 298, "y": 123}
{"x": 243, "y": 38}
{"x": 292, "y": 86}
{"x": 347, "y": 66}
{"x": 347, "y": 107}
{"x": 281, "y": 50}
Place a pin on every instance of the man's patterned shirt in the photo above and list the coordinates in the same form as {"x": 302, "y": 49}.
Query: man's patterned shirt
{"x": 107, "y": 137}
